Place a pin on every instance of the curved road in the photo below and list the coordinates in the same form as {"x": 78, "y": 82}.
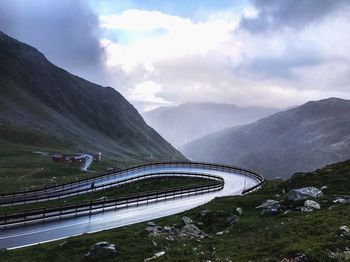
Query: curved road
{"x": 235, "y": 184}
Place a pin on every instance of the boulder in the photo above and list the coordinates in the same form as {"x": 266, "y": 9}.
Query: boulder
{"x": 232, "y": 219}
{"x": 268, "y": 203}
{"x": 191, "y": 230}
{"x": 239, "y": 211}
{"x": 341, "y": 200}
{"x": 312, "y": 204}
{"x": 271, "y": 208}
{"x": 153, "y": 230}
{"x": 304, "y": 193}
{"x": 205, "y": 212}
{"x": 156, "y": 255}
{"x": 344, "y": 232}
{"x": 187, "y": 220}
{"x": 151, "y": 224}
{"x": 299, "y": 257}
{"x": 101, "y": 250}
{"x": 340, "y": 255}
{"x": 305, "y": 209}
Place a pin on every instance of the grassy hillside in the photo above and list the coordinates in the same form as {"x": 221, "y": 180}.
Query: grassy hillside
{"x": 43, "y": 105}
{"x": 252, "y": 237}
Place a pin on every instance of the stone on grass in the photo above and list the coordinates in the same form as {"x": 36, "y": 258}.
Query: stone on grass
{"x": 304, "y": 193}
{"x": 156, "y": 255}
{"x": 187, "y": 220}
{"x": 271, "y": 208}
{"x": 204, "y": 212}
{"x": 306, "y": 209}
{"x": 299, "y": 257}
{"x": 191, "y": 230}
{"x": 232, "y": 219}
{"x": 151, "y": 224}
{"x": 312, "y": 204}
{"x": 239, "y": 211}
{"x": 102, "y": 250}
{"x": 341, "y": 200}
{"x": 268, "y": 203}
{"x": 344, "y": 232}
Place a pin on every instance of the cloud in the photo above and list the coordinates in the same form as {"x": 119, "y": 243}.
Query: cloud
{"x": 67, "y": 32}
{"x": 274, "y": 14}
{"x": 215, "y": 61}
{"x": 180, "y": 37}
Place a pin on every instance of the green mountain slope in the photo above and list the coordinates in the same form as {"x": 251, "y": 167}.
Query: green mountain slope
{"x": 43, "y": 105}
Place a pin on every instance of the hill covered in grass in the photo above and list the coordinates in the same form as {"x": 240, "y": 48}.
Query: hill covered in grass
{"x": 231, "y": 228}
{"x": 44, "y": 106}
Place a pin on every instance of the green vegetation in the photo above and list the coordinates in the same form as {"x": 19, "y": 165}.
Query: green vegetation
{"x": 20, "y": 168}
{"x": 252, "y": 238}
{"x": 133, "y": 188}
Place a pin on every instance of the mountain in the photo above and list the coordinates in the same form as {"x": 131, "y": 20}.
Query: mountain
{"x": 300, "y": 139}
{"x": 43, "y": 105}
{"x": 187, "y": 122}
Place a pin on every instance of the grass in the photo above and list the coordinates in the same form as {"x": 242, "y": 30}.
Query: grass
{"x": 252, "y": 238}
{"x": 133, "y": 188}
{"x": 21, "y": 169}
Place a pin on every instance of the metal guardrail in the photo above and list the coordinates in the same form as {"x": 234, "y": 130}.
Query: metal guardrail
{"x": 114, "y": 174}
{"x": 99, "y": 206}
{"x": 93, "y": 207}
{"x": 63, "y": 194}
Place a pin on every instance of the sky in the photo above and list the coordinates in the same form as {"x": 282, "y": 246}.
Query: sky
{"x": 266, "y": 53}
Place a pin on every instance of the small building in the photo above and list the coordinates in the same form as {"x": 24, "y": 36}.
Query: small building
{"x": 58, "y": 158}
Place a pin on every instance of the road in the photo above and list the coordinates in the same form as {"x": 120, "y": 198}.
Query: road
{"x": 26, "y": 235}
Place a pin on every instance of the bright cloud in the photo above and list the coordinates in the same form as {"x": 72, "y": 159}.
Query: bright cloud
{"x": 181, "y": 37}
{"x": 227, "y": 57}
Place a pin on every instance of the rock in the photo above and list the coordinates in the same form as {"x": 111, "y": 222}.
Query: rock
{"x": 63, "y": 243}
{"x": 232, "y": 219}
{"x": 297, "y": 258}
{"x": 324, "y": 188}
{"x": 151, "y": 224}
{"x": 153, "y": 230}
{"x": 268, "y": 203}
{"x": 187, "y": 220}
{"x": 171, "y": 230}
{"x": 305, "y": 209}
{"x": 312, "y": 204}
{"x": 191, "y": 230}
{"x": 156, "y": 255}
{"x": 271, "y": 208}
{"x": 239, "y": 211}
{"x": 102, "y": 250}
{"x": 344, "y": 232}
{"x": 340, "y": 255}
{"x": 204, "y": 212}
{"x": 341, "y": 200}
{"x": 304, "y": 193}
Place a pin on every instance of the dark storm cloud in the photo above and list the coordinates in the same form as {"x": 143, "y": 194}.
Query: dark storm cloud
{"x": 275, "y": 14}
{"x": 66, "y": 31}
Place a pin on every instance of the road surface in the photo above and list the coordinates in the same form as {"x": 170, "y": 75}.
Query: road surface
{"x": 38, "y": 233}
